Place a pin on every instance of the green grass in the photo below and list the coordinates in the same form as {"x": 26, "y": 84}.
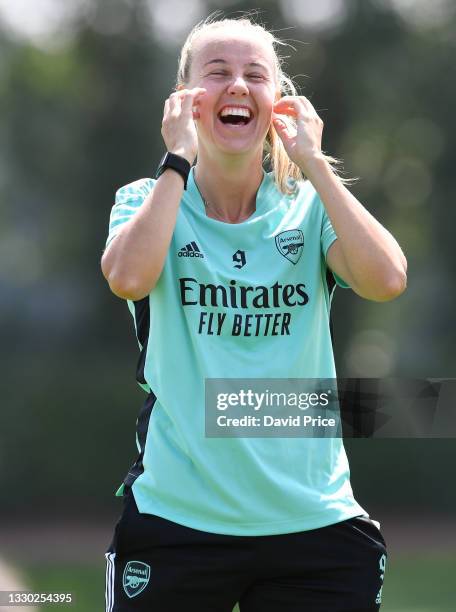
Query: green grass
{"x": 420, "y": 583}
{"x": 416, "y": 583}
{"x": 84, "y": 582}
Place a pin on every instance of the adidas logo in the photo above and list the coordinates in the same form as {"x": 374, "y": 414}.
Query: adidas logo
{"x": 190, "y": 250}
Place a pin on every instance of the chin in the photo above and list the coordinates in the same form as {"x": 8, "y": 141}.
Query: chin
{"x": 237, "y": 145}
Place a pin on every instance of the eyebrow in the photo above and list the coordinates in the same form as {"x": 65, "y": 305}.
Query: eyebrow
{"x": 222, "y": 61}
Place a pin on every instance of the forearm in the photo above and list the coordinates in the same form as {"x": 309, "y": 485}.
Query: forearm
{"x": 133, "y": 261}
{"x": 372, "y": 255}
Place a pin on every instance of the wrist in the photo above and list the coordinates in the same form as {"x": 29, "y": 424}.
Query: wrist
{"x": 177, "y": 163}
{"x": 314, "y": 164}
{"x": 188, "y": 156}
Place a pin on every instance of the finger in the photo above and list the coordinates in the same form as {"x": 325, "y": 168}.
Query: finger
{"x": 281, "y": 131}
{"x": 195, "y": 91}
{"x": 307, "y": 103}
{"x": 282, "y": 128}
{"x": 299, "y": 112}
{"x": 286, "y": 110}
{"x": 187, "y": 102}
{"x": 198, "y": 94}
{"x": 305, "y": 100}
{"x": 309, "y": 109}
{"x": 194, "y": 94}
{"x": 287, "y": 104}
{"x": 198, "y": 91}
{"x": 174, "y": 104}
{"x": 175, "y": 100}
{"x": 186, "y": 99}
{"x": 278, "y": 123}
{"x": 188, "y": 105}
{"x": 165, "y": 111}
{"x": 190, "y": 99}
{"x": 290, "y": 100}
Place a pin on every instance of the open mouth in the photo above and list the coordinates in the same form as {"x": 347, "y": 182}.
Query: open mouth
{"x": 236, "y": 118}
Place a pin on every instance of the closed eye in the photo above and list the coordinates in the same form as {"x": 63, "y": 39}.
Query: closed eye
{"x": 250, "y": 76}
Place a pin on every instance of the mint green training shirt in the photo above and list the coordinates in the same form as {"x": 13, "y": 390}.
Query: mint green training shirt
{"x": 239, "y": 485}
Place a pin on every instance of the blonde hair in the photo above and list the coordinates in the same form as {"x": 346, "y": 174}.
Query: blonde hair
{"x": 286, "y": 173}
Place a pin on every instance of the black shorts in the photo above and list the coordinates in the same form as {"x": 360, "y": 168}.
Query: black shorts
{"x": 156, "y": 565}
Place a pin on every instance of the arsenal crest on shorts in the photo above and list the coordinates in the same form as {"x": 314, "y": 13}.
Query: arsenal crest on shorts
{"x": 290, "y": 244}
{"x": 135, "y": 577}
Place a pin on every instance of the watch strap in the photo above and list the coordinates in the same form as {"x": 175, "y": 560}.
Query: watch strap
{"x": 177, "y": 163}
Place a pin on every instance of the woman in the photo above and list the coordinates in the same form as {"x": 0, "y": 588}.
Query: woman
{"x": 224, "y": 269}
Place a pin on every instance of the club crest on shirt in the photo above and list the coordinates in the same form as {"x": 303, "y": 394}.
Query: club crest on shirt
{"x": 135, "y": 577}
{"x": 290, "y": 244}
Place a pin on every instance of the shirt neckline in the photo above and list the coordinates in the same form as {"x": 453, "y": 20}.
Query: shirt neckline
{"x": 198, "y": 205}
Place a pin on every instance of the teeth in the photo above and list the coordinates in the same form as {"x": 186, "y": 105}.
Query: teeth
{"x": 231, "y": 110}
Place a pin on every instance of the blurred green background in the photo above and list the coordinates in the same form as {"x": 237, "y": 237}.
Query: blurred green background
{"x": 82, "y": 88}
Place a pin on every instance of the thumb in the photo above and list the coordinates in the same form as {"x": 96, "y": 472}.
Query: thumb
{"x": 278, "y": 122}
{"x": 281, "y": 128}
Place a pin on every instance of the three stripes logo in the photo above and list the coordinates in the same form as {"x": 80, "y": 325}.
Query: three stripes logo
{"x": 190, "y": 250}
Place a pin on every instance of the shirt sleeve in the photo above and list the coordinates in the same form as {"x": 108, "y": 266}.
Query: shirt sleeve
{"x": 328, "y": 235}
{"x": 129, "y": 199}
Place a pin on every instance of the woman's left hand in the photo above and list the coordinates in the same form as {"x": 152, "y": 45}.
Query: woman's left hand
{"x": 304, "y": 143}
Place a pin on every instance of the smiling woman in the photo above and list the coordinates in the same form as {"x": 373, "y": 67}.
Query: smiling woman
{"x": 229, "y": 273}
{"x": 263, "y": 74}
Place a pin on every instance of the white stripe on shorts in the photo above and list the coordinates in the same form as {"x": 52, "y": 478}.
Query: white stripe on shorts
{"x": 109, "y": 589}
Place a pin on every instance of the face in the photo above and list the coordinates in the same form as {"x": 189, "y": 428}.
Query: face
{"x": 237, "y": 72}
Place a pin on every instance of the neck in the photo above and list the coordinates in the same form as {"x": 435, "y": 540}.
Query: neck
{"x": 228, "y": 190}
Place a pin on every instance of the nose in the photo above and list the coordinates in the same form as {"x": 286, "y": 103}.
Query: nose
{"x": 238, "y": 86}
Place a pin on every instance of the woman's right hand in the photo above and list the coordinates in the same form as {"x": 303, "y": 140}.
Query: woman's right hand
{"x": 178, "y": 127}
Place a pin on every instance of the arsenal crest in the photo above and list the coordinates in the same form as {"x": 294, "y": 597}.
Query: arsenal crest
{"x": 290, "y": 244}
{"x": 135, "y": 577}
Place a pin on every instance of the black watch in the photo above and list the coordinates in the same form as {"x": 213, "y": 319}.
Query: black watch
{"x": 176, "y": 162}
